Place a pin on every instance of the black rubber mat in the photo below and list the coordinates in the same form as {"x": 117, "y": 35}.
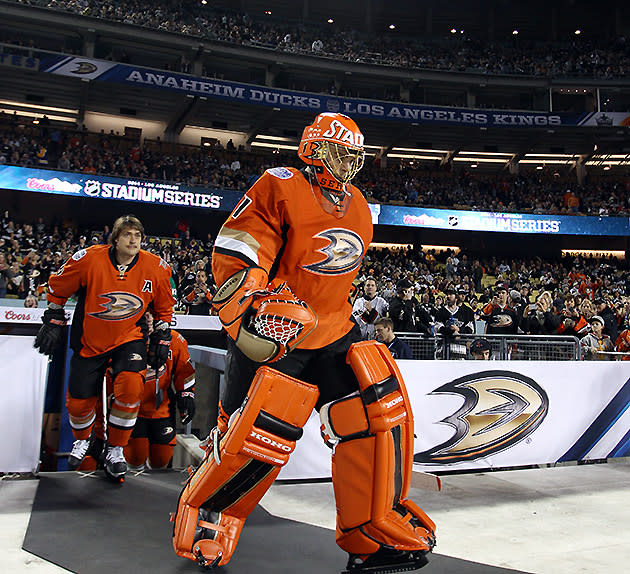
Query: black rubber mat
{"x": 87, "y": 525}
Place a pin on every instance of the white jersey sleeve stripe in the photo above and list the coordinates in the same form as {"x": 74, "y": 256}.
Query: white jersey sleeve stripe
{"x": 239, "y": 246}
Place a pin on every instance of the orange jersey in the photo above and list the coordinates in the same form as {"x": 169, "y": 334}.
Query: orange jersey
{"x": 279, "y": 225}
{"x": 110, "y": 304}
{"x": 623, "y": 344}
{"x": 177, "y": 371}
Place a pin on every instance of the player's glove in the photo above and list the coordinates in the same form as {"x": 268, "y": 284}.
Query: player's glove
{"x": 186, "y": 405}
{"x": 159, "y": 343}
{"x": 51, "y": 332}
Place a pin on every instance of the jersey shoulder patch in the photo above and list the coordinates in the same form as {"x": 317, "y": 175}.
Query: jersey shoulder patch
{"x": 280, "y": 172}
{"x": 79, "y": 254}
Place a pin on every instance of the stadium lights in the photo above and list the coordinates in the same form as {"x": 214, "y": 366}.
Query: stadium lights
{"x": 578, "y": 32}
{"x": 274, "y": 145}
{"x": 453, "y": 31}
{"x": 330, "y": 21}
{"x": 40, "y": 115}
{"x": 514, "y": 32}
{"x": 609, "y": 160}
{"x": 392, "y": 26}
{"x": 38, "y": 107}
{"x": 550, "y": 158}
{"x": 413, "y": 156}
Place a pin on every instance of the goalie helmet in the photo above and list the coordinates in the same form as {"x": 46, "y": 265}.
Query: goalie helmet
{"x": 333, "y": 145}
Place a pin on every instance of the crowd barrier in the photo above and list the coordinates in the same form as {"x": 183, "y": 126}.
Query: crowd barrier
{"x": 469, "y": 414}
{"x": 494, "y": 414}
{"x": 504, "y": 347}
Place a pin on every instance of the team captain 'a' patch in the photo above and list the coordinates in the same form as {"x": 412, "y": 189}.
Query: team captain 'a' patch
{"x": 344, "y": 252}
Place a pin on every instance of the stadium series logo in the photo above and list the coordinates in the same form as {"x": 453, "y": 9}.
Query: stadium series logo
{"x": 501, "y": 408}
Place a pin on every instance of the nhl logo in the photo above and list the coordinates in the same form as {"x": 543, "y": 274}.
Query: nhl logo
{"x": 333, "y": 105}
{"x": 603, "y": 120}
{"x": 453, "y": 220}
{"x": 92, "y": 187}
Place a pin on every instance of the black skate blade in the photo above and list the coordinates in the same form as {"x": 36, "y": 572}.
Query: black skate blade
{"x": 113, "y": 478}
{"x": 413, "y": 562}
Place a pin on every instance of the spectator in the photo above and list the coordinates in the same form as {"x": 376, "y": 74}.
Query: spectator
{"x": 501, "y": 319}
{"x": 453, "y": 319}
{"x": 609, "y": 317}
{"x": 6, "y": 275}
{"x": 368, "y": 308}
{"x": 384, "y": 329}
{"x": 405, "y": 311}
{"x": 480, "y": 349}
{"x": 197, "y": 297}
{"x": 596, "y": 341}
{"x": 30, "y": 301}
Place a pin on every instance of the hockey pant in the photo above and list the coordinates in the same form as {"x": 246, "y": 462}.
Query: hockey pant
{"x": 231, "y": 480}
{"x": 127, "y": 389}
{"x": 372, "y": 434}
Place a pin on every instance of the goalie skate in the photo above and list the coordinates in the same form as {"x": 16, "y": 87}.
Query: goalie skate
{"x": 385, "y": 561}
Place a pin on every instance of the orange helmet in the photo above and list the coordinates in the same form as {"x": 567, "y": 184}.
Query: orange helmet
{"x": 334, "y": 142}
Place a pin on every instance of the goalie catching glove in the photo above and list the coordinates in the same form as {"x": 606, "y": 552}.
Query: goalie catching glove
{"x": 265, "y": 323}
{"x": 50, "y": 333}
{"x": 159, "y": 344}
{"x": 186, "y": 405}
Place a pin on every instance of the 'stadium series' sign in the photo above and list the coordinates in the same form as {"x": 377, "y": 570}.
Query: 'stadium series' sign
{"x": 116, "y": 188}
{"x": 181, "y": 195}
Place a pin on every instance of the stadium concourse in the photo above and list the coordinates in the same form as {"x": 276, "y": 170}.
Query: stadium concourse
{"x": 566, "y": 519}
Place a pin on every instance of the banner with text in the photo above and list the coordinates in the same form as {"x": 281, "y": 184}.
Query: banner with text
{"x": 102, "y": 187}
{"x": 506, "y": 222}
{"x": 100, "y": 70}
{"x": 33, "y": 316}
{"x": 181, "y": 195}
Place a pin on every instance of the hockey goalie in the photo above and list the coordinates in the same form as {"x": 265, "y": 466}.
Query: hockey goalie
{"x": 285, "y": 261}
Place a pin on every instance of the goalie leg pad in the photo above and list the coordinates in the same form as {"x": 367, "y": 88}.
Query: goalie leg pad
{"x": 224, "y": 490}
{"x": 373, "y": 459}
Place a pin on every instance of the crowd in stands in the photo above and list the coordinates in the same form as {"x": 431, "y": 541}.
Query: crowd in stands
{"x": 541, "y": 297}
{"x": 578, "y": 58}
{"x": 226, "y": 167}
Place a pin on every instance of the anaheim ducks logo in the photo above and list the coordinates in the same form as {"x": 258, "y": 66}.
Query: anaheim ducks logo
{"x": 343, "y": 252}
{"x": 500, "y": 409}
{"x": 502, "y": 320}
{"x": 83, "y": 68}
{"x": 119, "y": 306}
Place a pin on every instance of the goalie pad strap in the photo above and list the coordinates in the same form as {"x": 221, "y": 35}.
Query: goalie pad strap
{"x": 373, "y": 458}
{"x": 257, "y": 444}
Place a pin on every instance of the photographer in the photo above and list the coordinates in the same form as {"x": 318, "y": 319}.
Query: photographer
{"x": 538, "y": 318}
{"x": 406, "y": 313}
{"x": 198, "y": 295}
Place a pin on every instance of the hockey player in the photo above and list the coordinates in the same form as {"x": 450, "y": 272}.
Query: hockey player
{"x": 284, "y": 261}
{"x": 153, "y": 438}
{"x": 115, "y": 284}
